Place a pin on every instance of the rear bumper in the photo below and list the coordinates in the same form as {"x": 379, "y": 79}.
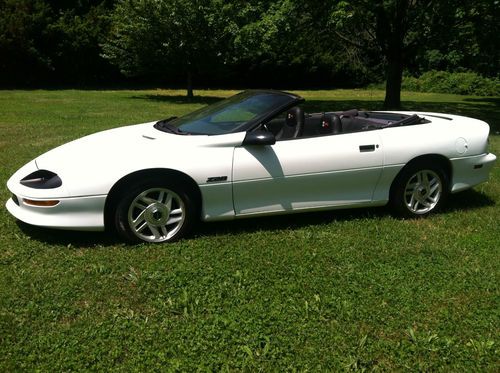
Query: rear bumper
{"x": 79, "y": 213}
{"x": 471, "y": 171}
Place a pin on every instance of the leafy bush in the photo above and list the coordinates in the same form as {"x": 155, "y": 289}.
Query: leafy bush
{"x": 463, "y": 83}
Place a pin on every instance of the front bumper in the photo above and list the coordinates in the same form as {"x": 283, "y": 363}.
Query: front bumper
{"x": 77, "y": 213}
{"x": 471, "y": 171}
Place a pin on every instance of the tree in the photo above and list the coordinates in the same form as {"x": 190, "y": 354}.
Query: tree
{"x": 73, "y": 43}
{"x": 166, "y": 38}
{"x": 50, "y": 41}
{"x": 292, "y": 43}
{"x": 22, "y": 26}
{"x": 416, "y": 34}
{"x": 466, "y": 38}
{"x": 288, "y": 43}
{"x": 393, "y": 27}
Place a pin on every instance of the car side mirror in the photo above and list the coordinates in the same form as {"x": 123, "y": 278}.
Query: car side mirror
{"x": 259, "y": 138}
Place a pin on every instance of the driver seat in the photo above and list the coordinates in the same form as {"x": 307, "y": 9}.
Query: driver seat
{"x": 294, "y": 124}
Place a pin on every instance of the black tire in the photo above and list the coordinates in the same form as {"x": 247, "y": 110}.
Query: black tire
{"x": 419, "y": 190}
{"x": 155, "y": 210}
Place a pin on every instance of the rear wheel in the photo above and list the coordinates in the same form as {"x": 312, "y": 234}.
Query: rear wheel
{"x": 155, "y": 211}
{"x": 419, "y": 190}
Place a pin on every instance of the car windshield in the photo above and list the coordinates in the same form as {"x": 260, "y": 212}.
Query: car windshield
{"x": 229, "y": 115}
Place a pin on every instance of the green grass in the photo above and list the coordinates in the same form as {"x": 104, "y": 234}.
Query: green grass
{"x": 343, "y": 290}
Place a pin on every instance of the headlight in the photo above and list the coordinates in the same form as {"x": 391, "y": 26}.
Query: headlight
{"x": 42, "y": 179}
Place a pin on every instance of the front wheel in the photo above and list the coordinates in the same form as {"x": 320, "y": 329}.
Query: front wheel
{"x": 154, "y": 211}
{"x": 419, "y": 190}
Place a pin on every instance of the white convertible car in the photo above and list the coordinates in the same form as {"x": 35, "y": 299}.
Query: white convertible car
{"x": 256, "y": 153}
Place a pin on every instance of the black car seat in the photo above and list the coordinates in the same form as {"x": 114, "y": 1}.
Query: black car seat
{"x": 294, "y": 124}
{"x": 349, "y": 120}
{"x": 330, "y": 124}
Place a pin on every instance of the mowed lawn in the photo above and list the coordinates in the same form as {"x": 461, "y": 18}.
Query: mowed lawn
{"x": 341, "y": 290}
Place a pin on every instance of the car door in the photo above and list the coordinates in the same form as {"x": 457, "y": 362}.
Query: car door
{"x": 307, "y": 173}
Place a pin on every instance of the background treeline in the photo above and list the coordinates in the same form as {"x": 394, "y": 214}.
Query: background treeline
{"x": 54, "y": 42}
{"x": 215, "y": 43}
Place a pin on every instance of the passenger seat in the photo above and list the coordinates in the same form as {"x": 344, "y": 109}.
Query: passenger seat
{"x": 330, "y": 124}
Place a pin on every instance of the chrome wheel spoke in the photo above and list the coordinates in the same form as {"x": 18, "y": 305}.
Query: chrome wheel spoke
{"x": 412, "y": 185}
{"x": 168, "y": 201}
{"x": 425, "y": 181}
{"x": 173, "y": 220}
{"x": 155, "y": 231}
{"x": 165, "y": 198}
{"x": 146, "y": 200}
{"x": 141, "y": 205}
{"x": 140, "y": 227}
{"x": 411, "y": 201}
{"x": 176, "y": 212}
{"x": 161, "y": 196}
{"x": 426, "y": 204}
{"x": 432, "y": 199}
{"x": 139, "y": 219}
{"x": 434, "y": 188}
{"x": 419, "y": 178}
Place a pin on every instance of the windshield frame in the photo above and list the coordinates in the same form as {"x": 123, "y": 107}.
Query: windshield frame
{"x": 293, "y": 100}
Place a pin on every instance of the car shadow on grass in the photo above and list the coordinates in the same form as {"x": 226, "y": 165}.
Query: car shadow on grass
{"x": 289, "y": 221}
{"x": 493, "y": 100}
{"x": 68, "y": 238}
{"x": 467, "y": 200}
{"x": 179, "y": 100}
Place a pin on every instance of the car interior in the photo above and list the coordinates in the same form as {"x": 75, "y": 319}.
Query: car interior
{"x": 295, "y": 123}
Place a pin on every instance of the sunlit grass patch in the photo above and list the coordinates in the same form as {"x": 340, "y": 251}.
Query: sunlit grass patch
{"x": 354, "y": 289}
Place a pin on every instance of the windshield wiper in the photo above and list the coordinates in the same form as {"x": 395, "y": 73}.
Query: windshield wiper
{"x": 164, "y": 125}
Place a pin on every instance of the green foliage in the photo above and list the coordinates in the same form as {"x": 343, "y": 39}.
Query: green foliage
{"x": 22, "y": 26}
{"x": 291, "y": 43}
{"x": 166, "y": 38}
{"x": 266, "y": 30}
{"x": 462, "y": 39}
{"x": 75, "y": 47}
{"x": 283, "y": 43}
{"x": 331, "y": 291}
{"x": 465, "y": 83}
{"x": 387, "y": 28}
{"x": 41, "y": 41}
{"x": 423, "y": 35}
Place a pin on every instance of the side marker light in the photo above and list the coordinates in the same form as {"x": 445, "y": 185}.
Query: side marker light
{"x": 46, "y": 203}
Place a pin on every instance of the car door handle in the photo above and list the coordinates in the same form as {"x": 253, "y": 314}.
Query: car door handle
{"x": 366, "y": 148}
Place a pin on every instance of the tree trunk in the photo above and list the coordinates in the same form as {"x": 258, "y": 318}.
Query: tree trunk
{"x": 189, "y": 85}
{"x": 394, "y": 79}
{"x": 391, "y": 28}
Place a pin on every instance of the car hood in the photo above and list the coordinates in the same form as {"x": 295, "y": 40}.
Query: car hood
{"x": 102, "y": 148}
{"x": 92, "y": 164}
